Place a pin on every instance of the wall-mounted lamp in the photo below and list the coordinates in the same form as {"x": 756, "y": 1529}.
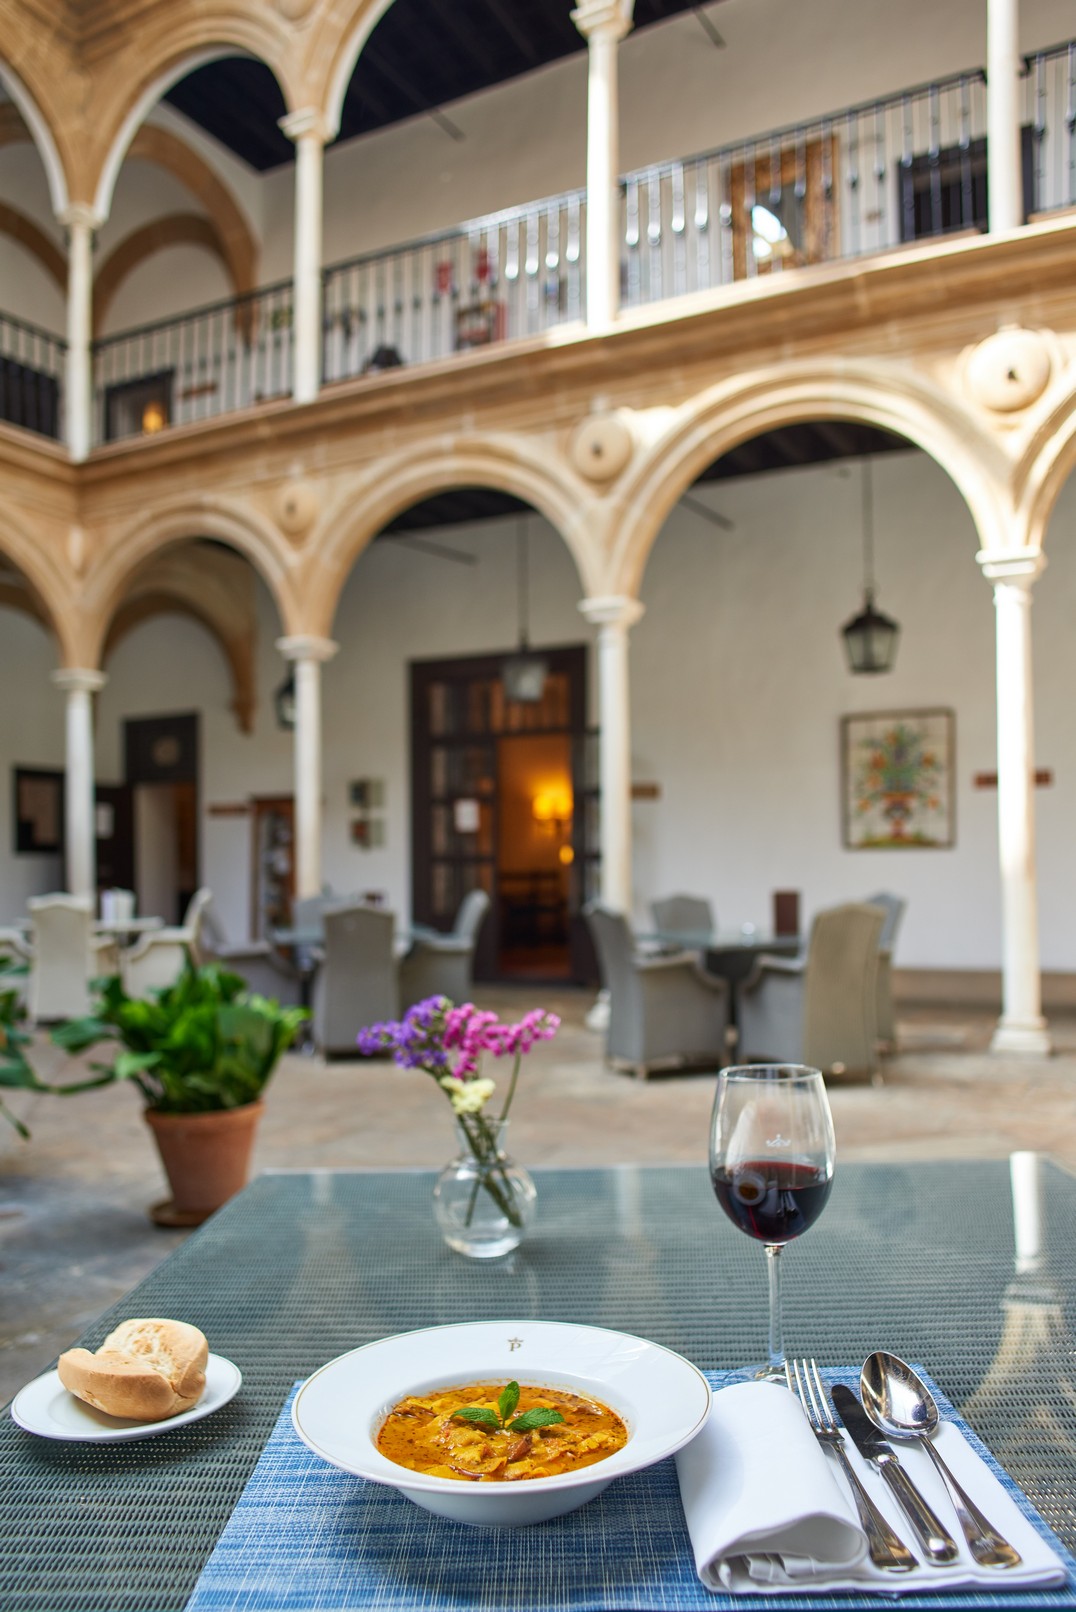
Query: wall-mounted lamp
{"x": 552, "y": 807}
{"x": 870, "y": 639}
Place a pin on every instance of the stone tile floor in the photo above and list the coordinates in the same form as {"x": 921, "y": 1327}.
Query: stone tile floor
{"x": 74, "y": 1235}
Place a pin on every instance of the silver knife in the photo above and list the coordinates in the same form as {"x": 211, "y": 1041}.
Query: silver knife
{"x": 940, "y": 1547}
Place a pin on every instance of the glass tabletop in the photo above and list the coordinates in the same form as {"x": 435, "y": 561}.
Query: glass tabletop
{"x": 921, "y": 1259}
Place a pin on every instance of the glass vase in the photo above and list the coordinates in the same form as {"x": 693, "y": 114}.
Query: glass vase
{"x": 483, "y": 1201}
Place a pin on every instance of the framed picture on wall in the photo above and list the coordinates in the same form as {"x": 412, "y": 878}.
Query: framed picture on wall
{"x": 39, "y": 811}
{"x": 897, "y": 780}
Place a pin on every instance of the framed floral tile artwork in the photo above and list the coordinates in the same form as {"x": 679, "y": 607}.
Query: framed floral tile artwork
{"x": 897, "y": 780}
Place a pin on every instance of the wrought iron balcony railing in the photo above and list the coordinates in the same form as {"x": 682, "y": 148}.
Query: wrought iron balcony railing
{"x": 31, "y": 376}
{"x": 905, "y": 168}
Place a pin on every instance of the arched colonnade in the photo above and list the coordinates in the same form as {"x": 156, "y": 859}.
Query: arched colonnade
{"x": 1010, "y": 479}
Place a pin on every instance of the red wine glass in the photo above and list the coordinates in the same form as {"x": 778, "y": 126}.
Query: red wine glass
{"x": 772, "y": 1154}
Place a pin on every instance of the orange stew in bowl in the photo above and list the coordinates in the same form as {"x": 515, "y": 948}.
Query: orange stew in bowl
{"x": 423, "y": 1432}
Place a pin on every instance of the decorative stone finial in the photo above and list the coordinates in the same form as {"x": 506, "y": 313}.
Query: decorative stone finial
{"x": 601, "y": 446}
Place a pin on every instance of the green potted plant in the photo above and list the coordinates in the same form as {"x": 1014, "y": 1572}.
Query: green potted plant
{"x": 201, "y": 1052}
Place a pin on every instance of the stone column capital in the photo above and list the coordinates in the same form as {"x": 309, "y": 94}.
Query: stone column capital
{"x": 1020, "y": 570}
{"x": 307, "y": 647}
{"x": 604, "y": 19}
{"x": 307, "y": 123}
{"x": 79, "y": 679}
{"x": 80, "y": 213}
{"x": 612, "y": 610}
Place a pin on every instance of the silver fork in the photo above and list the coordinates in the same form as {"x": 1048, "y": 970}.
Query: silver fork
{"x": 887, "y": 1549}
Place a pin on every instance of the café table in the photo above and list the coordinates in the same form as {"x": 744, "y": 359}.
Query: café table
{"x": 301, "y": 1267}
{"x": 730, "y": 953}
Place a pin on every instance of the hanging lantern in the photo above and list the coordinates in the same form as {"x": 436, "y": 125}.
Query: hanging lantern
{"x": 870, "y": 638}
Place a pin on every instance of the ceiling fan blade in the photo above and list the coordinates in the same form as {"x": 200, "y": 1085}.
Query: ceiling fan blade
{"x": 707, "y": 514}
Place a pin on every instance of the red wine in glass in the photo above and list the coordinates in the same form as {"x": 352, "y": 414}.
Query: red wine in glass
{"x": 772, "y": 1155}
{"x": 773, "y": 1200}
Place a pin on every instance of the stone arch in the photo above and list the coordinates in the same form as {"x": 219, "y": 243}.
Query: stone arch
{"x": 176, "y": 229}
{"x": 38, "y": 130}
{"x": 396, "y": 484}
{"x": 212, "y": 586}
{"x": 735, "y": 410}
{"x": 341, "y": 47}
{"x": 1048, "y": 461}
{"x": 236, "y": 525}
{"x": 22, "y": 229}
{"x": 175, "y": 51}
{"x": 50, "y": 596}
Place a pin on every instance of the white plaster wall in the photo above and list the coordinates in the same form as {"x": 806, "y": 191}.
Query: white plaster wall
{"x": 201, "y": 274}
{"x": 37, "y": 297}
{"x": 31, "y": 735}
{"x": 738, "y": 685}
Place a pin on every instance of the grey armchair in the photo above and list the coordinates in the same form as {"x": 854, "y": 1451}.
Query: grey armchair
{"x": 664, "y": 1012}
{"x": 443, "y": 964}
{"x": 820, "y": 1009}
{"x": 687, "y": 915}
{"x": 893, "y": 907}
{"x": 356, "y": 983}
{"x": 263, "y": 966}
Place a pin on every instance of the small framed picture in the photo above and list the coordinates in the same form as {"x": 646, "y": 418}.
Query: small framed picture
{"x": 897, "y": 780}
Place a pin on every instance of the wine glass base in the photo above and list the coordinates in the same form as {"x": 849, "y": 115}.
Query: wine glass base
{"x": 771, "y": 1374}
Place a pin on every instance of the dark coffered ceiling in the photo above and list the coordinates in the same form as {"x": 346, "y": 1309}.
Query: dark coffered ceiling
{"x": 422, "y": 56}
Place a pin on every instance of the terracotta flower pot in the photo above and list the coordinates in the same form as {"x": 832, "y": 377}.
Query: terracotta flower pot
{"x": 206, "y": 1158}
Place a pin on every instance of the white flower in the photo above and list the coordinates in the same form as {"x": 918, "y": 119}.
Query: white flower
{"x": 470, "y": 1096}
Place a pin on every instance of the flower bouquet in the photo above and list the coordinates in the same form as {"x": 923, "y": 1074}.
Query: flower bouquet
{"x": 483, "y": 1201}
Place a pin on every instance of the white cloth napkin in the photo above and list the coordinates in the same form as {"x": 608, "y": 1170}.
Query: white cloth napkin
{"x": 767, "y": 1508}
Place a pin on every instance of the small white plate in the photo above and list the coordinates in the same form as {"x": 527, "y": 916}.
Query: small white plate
{"x": 45, "y": 1407}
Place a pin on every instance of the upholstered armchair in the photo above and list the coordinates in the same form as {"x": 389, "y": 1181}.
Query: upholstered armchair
{"x": 683, "y": 915}
{"x": 157, "y": 960}
{"x": 66, "y": 956}
{"x": 820, "y": 1009}
{"x": 443, "y": 964}
{"x": 356, "y": 984}
{"x": 664, "y": 1011}
{"x": 893, "y": 907}
{"x": 263, "y": 966}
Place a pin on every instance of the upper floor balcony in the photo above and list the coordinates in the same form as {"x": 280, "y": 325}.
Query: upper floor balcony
{"x": 851, "y": 183}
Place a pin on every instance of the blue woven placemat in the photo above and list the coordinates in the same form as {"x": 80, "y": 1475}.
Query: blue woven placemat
{"x": 305, "y": 1537}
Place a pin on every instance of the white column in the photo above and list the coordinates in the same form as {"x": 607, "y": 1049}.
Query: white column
{"x": 1004, "y": 168}
{"x": 614, "y": 616}
{"x": 1021, "y": 1027}
{"x": 306, "y": 655}
{"x": 603, "y": 24}
{"x": 80, "y": 835}
{"x": 307, "y": 131}
{"x": 79, "y": 222}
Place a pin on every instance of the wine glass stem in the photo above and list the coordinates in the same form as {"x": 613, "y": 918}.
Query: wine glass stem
{"x": 777, "y": 1342}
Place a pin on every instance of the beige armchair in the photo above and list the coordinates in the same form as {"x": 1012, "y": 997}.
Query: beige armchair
{"x": 356, "y": 983}
{"x": 893, "y": 907}
{"x": 157, "y": 960}
{"x": 820, "y": 1009}
{"x": 65, "y": 956}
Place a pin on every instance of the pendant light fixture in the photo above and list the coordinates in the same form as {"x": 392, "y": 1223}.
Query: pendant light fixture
{"x": 523, "y": 674}
{"x": 284, "y": 702}
{"x": 870, "y": 639}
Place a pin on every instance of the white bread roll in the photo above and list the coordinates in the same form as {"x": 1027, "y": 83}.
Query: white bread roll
{"x": 146, "y": 1370}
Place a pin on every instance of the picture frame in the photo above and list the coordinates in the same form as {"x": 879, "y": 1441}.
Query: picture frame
{"x": 898, "y": 780}
{"x": 38, "y": 811}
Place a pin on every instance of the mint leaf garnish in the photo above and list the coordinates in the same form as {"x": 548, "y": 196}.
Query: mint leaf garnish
{"x": 508, "y": 1402}
{"x": 478, "y": 1414}
{"x": 540, "y": 1416}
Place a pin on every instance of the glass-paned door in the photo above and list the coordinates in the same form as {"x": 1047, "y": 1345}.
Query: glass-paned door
{"x": 487, "y": 817}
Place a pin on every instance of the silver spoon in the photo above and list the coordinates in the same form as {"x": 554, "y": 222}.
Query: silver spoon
{"x": 902, "y": 1406}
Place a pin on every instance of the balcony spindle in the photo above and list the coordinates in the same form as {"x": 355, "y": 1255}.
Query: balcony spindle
{"x": 702, "y": 223}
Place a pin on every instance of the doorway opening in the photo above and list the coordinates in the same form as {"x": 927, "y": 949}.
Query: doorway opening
{"x": 504, "y": 800}
{"x": 161, "y": 765}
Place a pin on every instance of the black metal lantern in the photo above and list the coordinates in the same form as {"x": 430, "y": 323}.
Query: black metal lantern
{"x": 870, "y": 639}
{"x": 523, "y": 674}
{"x": 284, "y": 702}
